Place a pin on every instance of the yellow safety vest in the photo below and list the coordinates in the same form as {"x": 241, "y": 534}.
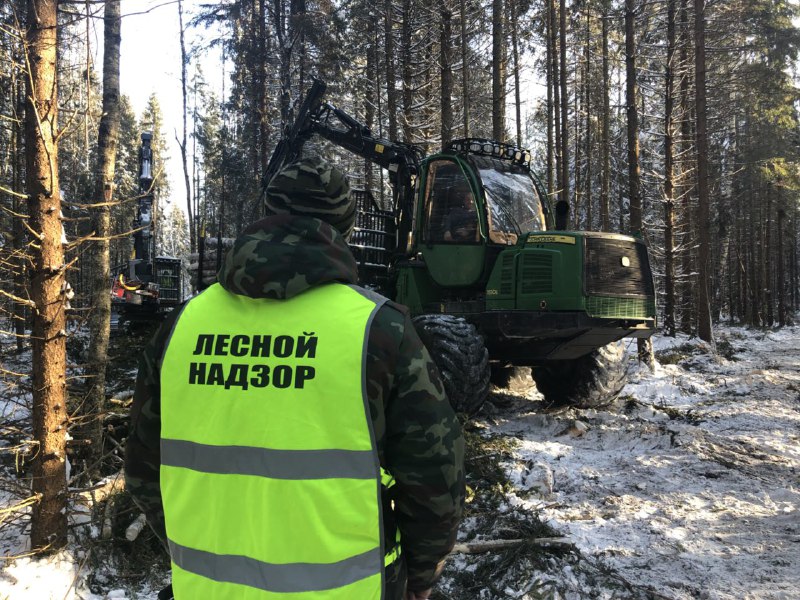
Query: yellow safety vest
{"x": 270, "y": 477}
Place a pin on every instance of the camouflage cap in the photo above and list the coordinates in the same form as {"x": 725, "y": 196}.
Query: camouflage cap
{"x": 312, "y": 187}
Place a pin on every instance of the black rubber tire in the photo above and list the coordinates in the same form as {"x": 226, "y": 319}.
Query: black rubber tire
{"x": 461, "y": 356}
{"x": 591, "y": 381}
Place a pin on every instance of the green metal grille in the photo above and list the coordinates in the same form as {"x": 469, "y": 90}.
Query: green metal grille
{"x": 620, "y": 308}
{"x": 537, "y": 273}
{"x": 507, "y": 275}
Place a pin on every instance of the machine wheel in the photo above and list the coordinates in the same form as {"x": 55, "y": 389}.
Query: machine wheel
{"x": 461, "y": 356}
{"x": 591, "y": 381}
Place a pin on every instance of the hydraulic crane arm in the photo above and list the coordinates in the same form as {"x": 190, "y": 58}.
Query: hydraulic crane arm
{"x": 335, "y": 125}
{"x": 358, "y": 139}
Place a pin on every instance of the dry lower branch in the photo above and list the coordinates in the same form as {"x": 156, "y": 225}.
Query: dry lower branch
{"x": 22, "y": 301}
{"x": 19, "y": 505}
{"x": 13, "y": 334}
{"x": 18, "y": 509}
{"x": 11, "y": 192}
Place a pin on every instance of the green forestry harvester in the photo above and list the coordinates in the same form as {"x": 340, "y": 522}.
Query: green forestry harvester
{"x": 146, "y": 287}
{"x": 486, "y": 267}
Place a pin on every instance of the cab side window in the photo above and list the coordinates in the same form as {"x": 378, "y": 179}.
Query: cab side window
{"x": 451, "y": 211}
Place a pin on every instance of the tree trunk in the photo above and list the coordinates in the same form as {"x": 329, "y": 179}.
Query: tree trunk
{"x": 408, "y": 78}
{"x": 564, "y": 102}
{"x": 605, "y": 185}
{"x": 515, "y": 49}
{"x": 49, "y": 517}
{"x": 782, "y": 320}
{"x": 498, "y": 72}
{"x": 446, "y": 77}
{"x": 264, "y": 51}
{"x": 645, "y": 347}
{"x": 766, "y": 283}
{"x": 464, "y": 65}
{"x": 370, "y": 91}
{"x": 634, "y": 185}
{"x": 20, "y": 264}
{"x": 577, "y": 208}
{"x": 408, "y": 83}
{"x": 550, "y": 113}
{"x": 794, "y": 271}
{"x": 741, "y": 258}
{"x": 391, "y": 91}
{"x": 100, "y": 318}
{"x": 703, "y": 197}
{"x": 759, "y": 282}
{"x": 285, "y": 52}
{"x": 183, "y": 141}
{"x": 669, "y": 194}
{"x": 298, "y": 22}
{"x": 687, "y": 221}
{"x": 754, "y": 316}
{"x": 588, "y": 120}
{"x": 559, "y": 184}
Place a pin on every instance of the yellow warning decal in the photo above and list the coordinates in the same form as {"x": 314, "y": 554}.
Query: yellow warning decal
{"x": 551, "y": 239}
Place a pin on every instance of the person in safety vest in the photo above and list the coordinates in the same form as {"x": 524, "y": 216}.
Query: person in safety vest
{"x": 290, "y": 435}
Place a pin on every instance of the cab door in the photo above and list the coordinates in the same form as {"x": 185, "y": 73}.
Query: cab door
{"x": 453, "y": 233}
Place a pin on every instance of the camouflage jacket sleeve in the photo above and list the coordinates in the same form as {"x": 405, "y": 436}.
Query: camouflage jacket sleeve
{"x": 420, "y": 442}
{"x": 143, "y": 446}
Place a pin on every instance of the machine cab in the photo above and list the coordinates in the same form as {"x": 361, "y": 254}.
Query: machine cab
{"x": 453, "y": 228}
{"x": 472, "y": 205}
{"x": 451, "y": 210}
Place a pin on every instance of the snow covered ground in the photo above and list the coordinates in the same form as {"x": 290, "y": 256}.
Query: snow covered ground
{"x": 687, "y": 487}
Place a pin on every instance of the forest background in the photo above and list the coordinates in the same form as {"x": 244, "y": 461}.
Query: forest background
{"x": 674, "y": 120}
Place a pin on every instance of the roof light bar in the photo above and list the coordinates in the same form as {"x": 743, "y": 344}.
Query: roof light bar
{"x": 492, "y": 148}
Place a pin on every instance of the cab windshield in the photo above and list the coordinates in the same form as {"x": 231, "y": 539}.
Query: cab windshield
{"x": 513, "y": 204}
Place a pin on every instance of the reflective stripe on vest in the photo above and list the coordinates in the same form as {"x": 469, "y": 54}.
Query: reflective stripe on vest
{"x": 270, "y": 477}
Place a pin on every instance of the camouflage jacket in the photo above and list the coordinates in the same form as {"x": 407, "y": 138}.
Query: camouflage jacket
{"x": 418, "y": 436}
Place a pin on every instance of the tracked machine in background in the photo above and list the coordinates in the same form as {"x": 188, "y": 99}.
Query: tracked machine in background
{"x": 146, "y": 287}
{"x": 486, "y": 266}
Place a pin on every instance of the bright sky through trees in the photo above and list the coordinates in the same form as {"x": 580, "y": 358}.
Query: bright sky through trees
{"x": 150, "y": 64}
